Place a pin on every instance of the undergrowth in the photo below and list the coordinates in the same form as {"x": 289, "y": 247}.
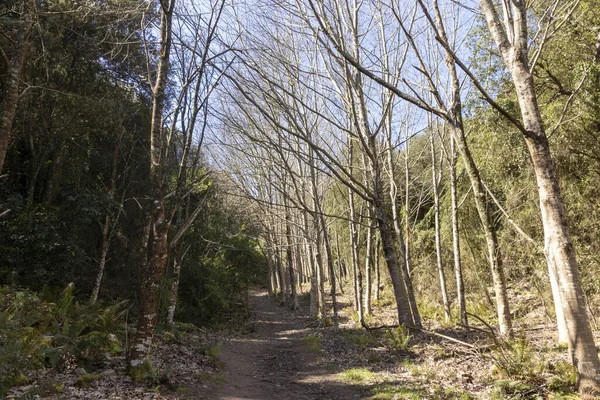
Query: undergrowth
{"x": 38, "y": 332}
{"x": 521, "y": 371}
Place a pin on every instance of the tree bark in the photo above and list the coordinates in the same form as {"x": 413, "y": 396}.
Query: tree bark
{"x": 393, "y": 192}
{"x": 174, "y": 290}
{"x": 10, "y": 94}
{"x": 559, "y": 249}
{"x": 489, "y": 230}
{"x": 102, "y": 261}
{"x": 438, "y": 240}
{"x": 289, "y": 257}
{"x": 355, "y": 252}
{"x": 147, "y": 319}
{"x": 460, "y": 287}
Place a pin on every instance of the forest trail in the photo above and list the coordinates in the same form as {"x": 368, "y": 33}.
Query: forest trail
{"x": 274, "y": 363}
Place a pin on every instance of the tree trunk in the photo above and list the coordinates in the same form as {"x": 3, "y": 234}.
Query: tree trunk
{"x": 174, "y": 292}
{"x": 460, "y": 287}
{"x": 271, "y": 271}
{"x": 354, "y": 244}
{"x": 489, "y": 231}
{"x": 407, "y": 203}
{"x": 368, "y": 266}
{"x": 314, "y": 290}
{"x": 368, "y": 249}
{"x": 438, "y": 240}
{"x": 10, "y": 94}
{"x": 289, "y": 258}
{"x": 397, "y": 229}
{"x": 559, "y": 249}
{"x": 102, "y": 261}
{"x": 147, "y": 318}
{"x": 55, "y": 175}
{"x": 557, "y": 240}
{"x": 340, "y": 262}
{"x": 377, "y": 272}
{"x": 331, "y": 267}
{"x": 281, "y": 274}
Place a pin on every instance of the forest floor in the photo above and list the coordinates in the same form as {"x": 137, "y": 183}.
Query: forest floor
{"x": 276, "y": 353}
{"x": 279, "y": 360}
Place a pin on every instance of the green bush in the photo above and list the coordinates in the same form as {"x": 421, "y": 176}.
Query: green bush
{"x": 35, "y": 333}
{"x": 398, "y": 338}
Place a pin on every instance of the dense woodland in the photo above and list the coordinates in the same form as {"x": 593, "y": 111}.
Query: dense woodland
{"x": 427, "y": 164}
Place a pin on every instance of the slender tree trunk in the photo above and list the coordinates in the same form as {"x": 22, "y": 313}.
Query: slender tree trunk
{"x": 281, "y": 274}
{"x": 271, "y": 271}
{"x": 109, "y": 223}
{"x": 174, "y": 292}
{"x": 331, "y": 267}
{"x": 10, "y": 94}
{"x": 454, "y": 118}
{"x": 340, "y": 262}
{"x": 367, "y": 286}
{"x": 560, "y": 252}
{"x": 319, "y": 268}
{"x": 490, "y": 234}
{"x": 102, "y": 262}
{"x": 368, "y": 265}
{"x": 147, "y": 318}
{"x": 38, "y": 161}
{"x": 407, "y": 203}
{"x": 407, "y": 314}
{"x": 314, "y": 290}
{"x": 393, "y": 192}
{"x": 289, "y": 257}
{"x": 55, "y": 175}
{"x": 460, "y": 287}
{"x": 354, "y": 242}
{"x": 438, "y": 241}
{"x": 377, "y": 272}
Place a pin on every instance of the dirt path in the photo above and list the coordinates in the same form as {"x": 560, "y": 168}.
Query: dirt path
{"x": 274, "y": 363}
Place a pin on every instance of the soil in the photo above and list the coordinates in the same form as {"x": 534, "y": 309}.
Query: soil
{"x": 280, "y": 354}
{"x": 274, "y": 362}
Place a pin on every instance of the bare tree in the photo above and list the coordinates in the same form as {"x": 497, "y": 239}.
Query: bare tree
{"x": 511, "y": 36}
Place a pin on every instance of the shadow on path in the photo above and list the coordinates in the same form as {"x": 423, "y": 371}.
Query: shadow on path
{"x": 274, "y": 362}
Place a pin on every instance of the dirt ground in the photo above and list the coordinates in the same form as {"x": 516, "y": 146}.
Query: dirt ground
{"x": 274, "y": 362}
{"x": 280, "y": 354}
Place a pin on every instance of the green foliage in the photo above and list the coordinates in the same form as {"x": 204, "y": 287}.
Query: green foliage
{"x": 516, "y": 359}
{"x": 84, "y": 381}
{"x": 398, "y": 339}
{"x": 213, "y": 354}
{"x": 46, "y": 388}
{"x": 414, "y": 392}
{"x": 357, "y": 375}
{"x": 35, "y": 333}
{"x": 525, "y": 373}
{"x": 221, "y": 264}
{"x": 312, "y": 343}
{"x": 143, "y": 373}
{"x": 390, "y": 392}
{"x": 510, "y": 389}
{"x": 358, "y": 338}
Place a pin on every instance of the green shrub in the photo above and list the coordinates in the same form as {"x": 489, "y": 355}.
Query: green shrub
{"x": 36, "y": 332}
{"x": 516, "y": 359}
{"x": 359, "y": 338}
{"x": 358, "y": 375}
{"x": 398, "y": 338}
{"x": 509, "y": 389}
{"x": 312, "y": 343}
{"x": 84, "y": 381}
